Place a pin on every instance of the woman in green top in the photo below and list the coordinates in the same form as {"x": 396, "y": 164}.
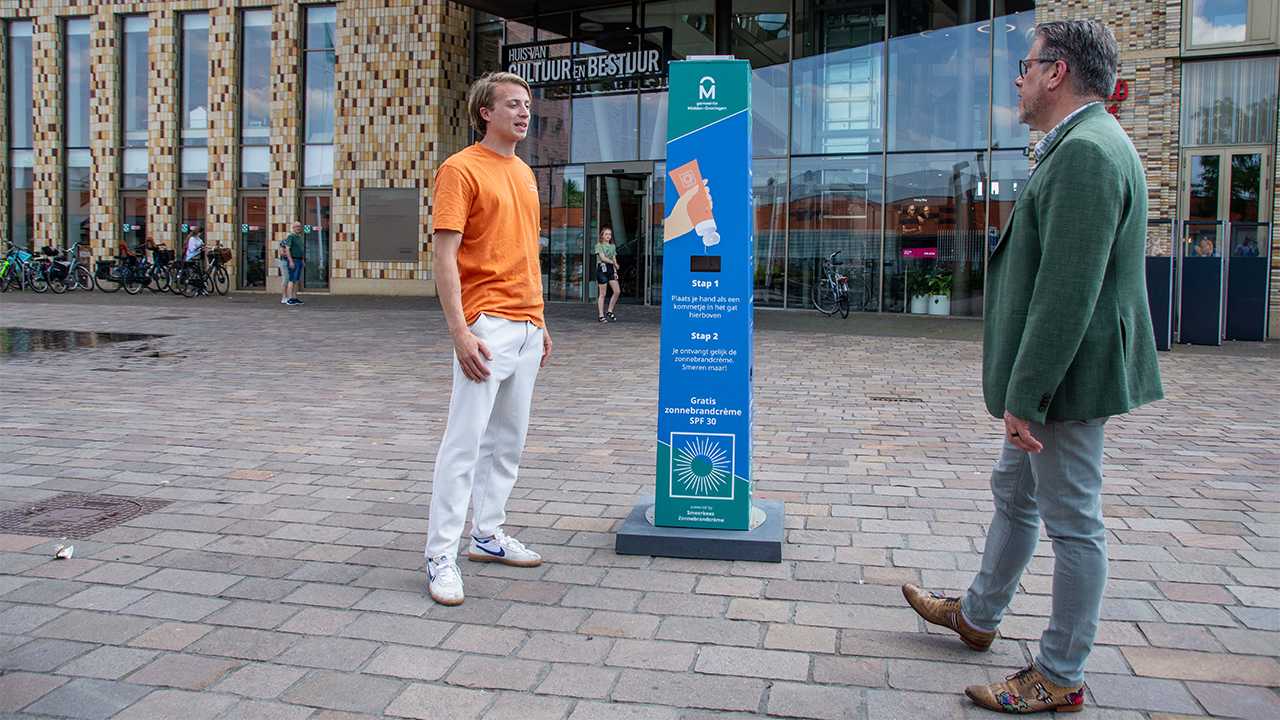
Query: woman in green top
{"x": 607, "y": 274}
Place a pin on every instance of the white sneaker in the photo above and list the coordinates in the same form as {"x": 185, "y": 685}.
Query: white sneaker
{"x": 503, "y": 549}
{"x": 446, "y": 580}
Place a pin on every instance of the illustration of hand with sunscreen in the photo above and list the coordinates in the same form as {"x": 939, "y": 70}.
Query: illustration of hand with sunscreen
{"x": 693, "y": 210}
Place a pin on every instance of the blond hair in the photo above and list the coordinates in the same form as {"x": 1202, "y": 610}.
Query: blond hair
{"x": 482, "y": 92}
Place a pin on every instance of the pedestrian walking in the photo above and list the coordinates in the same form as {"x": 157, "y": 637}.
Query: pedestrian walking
{"x": 607, "y": 274}
{"x": 294, "y": 255}
{"x": 1067, "y": 344}
{"x": 485, "y": 241}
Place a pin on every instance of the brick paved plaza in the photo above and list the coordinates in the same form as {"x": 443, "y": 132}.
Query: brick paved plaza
{"x": 284, "y": 581}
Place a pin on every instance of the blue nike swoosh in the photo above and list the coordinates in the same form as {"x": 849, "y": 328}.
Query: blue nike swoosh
{"x": 501, "y": 552}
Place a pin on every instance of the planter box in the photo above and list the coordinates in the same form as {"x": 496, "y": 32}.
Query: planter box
{"x": 939, "y": 304}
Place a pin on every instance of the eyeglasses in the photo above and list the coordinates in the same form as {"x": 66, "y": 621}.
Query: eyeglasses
{"x": 1023, "y": 65}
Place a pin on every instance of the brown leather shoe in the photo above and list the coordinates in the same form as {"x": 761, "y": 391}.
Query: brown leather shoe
{"x": 945, "y": 611}
{"x": 1027, "y": 691}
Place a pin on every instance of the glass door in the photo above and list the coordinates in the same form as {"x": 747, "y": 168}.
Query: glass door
{"x": 192, "y": 210}
{"x": 254, "y": 236}
{"x": 620, "y": 202}
{"x": 133, "y": 221}
{"x": 316, "y": 239}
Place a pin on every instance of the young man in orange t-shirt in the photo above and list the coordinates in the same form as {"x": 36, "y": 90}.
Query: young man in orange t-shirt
{"x": 485, "y": 236}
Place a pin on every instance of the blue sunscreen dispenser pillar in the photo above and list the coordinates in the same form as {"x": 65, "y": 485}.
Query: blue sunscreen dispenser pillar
{"x": 704, "y": 393}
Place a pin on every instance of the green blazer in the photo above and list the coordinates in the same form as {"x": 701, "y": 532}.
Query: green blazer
{"x": 1067, "y": 331}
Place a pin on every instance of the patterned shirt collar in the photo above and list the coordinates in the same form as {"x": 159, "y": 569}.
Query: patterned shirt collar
{"x": 1052, "y": 135}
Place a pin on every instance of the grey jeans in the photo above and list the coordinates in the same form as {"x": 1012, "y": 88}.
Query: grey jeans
{"x": 1061, "y": 485}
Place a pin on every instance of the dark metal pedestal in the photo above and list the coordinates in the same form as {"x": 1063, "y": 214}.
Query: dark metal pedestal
{"x": 763, "y": 544}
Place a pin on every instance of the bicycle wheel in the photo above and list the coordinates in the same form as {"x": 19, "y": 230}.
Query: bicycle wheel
{"x": 132, "y": 285}
{"x": 38, "y": 280}
{"x": 824, "y": 297}
{"x": 84, "y": 278}
{"x": 221, "y": 280}
{"x": 111, "y": 282}
{"x": 843, "y": 303}
{"x": 56, "y": 284}
{"x": 187, "y": 282}
{"x": 160, "y": 282}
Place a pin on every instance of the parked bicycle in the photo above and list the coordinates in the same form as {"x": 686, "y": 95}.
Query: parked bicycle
{"x": 126, "y": 271}
{"x": 192, "y": 280}
{"x": 18, "y": 270}
{"x": 831, "y": 291}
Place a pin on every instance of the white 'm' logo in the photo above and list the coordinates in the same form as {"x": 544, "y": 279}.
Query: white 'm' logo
{"x": 706, "y": 92}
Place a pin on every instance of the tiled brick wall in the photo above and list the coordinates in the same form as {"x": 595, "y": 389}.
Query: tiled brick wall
{"x": 47, "y": 136}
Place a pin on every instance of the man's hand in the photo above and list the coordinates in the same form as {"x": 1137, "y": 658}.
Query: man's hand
{"x": 290, "y": 263}
{"x": 1019, "y": 433}
{"x": 546, "y": 348}
{"x": 469, "y": 350}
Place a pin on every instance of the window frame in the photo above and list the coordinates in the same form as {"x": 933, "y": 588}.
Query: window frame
{"x": 1269, "y": 15}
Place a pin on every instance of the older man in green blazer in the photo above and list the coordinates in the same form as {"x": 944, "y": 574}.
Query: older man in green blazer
{"x": 1068, "y": 343}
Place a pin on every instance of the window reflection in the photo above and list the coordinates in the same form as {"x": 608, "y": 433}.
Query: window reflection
{"x": 318, "y": 96}
{"x": 605, "y": 123}
{"x": 837, "y": 77}
{"x": 78, "y": 159}
{"x": 78, "y": 197}
{"x": 939, "y": 70}
{"x": 692, "y": 24}
{"x": 1219, "y": 21}
{"x": 1014, "y": 20}
{"x": 134, "y": 103}
{"x": 935, "y": 240}
{"x": 835, "y": 206}
{"x": 761, "y": 33}
{"x": 21, "y": 122}
{"x": 769, "y": 193}
{"x": 562, "y": 233}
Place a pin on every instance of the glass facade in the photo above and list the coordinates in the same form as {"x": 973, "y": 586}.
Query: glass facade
{"x": 21, "y": 119}
{"x": 318, "y": 96}
{"x": 194, "y": 102}
{"x": 134, "y": 102}
{"x": 77, "y": 158}
{"x": 255, "y": 99}
{"x": 886, "y": 132}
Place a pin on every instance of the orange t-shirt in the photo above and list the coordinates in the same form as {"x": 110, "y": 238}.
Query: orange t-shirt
{"x": 493, "y": 201}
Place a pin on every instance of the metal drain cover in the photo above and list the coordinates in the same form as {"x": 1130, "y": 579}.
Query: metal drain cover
{"x": 75, "y": 515}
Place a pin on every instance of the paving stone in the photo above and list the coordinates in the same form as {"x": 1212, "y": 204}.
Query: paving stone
{"x": 595, "y": 598}
{"x": 1182, "y": 637}
{"x": 43, "y": 592}
{"x": 117, "y": 573}
{"x": 688, "y": 690}
{"x": 1247, "y": 642}
{"x": 1251, "y": 703}
{"x": 859, "y": 617}
{"x": 746, "y": 662}
{"x": 171, "y": 636}
{"x": 386, "y": 628}
{"x": 564, "y": 647}
{"x": 1207, "y": 667}
{"x": 260, "y": 615}
{"x": 771, "y": 611}
{"x": 318, "y": 621}
{"x": 866, "y": 672}
{"x": 95, "y": 627}
{"x": 188, "y": 581}
{"x": 510, "y": 706}
{"x": 484, "y": 639}
{"x": 1149, "y": 694}
{"x": 42, "y": 655}
{"x": 108, "y": 663}
{"x": 22, "y": 619}
{"x": 715, "y": 632}
{"x": 578, "y": 682}
{"x": 652, "y": 655}
{"x": 802, "y": 639}
{"x": 104, "y": 598}
{"x": 20, "y": 689}
{"x": 427, "y": 702}
{"x": 616, "y": 711}
{"x": 809, "y": 701}
{"x": 257, "y": 588}
{"x": 244, "y": 644}
{"x": 88, "y": 699}
{"x": 896, "y": 704}
{"x": 619, "y": 625}
{"x": 177, "y": 705}
{"x": 708, "y": 606}
{"x": 412, "y": 663}
{"x": 935, "y": 677}
{"x": 173, "y": 606}
{"x": 328, "y": 653}
{"x": 258, "y": 710}
{"x": 339, "y": 691}
{"x": 494, "y": 673}
{"x": 529, "y": 617}
{"x": 260, "y": 680}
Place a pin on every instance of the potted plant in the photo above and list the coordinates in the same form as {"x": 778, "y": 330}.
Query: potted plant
{"x": 940, "y": 294}
{"x": 918, "y": 291}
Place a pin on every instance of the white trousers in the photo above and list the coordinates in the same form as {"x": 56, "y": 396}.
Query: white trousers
{"x": 484, "y": 438}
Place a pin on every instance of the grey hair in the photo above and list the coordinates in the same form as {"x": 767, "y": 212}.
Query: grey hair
{"x": 1089, "y": 48}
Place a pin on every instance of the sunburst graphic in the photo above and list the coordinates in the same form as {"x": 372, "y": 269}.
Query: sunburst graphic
{"x": 702, "y": 466}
